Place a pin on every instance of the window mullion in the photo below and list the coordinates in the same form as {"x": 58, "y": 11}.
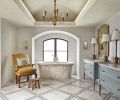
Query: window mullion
{"x": 55, "y": 51}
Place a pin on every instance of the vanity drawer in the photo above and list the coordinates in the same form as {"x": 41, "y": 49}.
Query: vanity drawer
{"x": 89, "y": 72}
{"x": 110, "y": 72}
{"x": 111, "y": 84}
{"x": 89, "y": 66}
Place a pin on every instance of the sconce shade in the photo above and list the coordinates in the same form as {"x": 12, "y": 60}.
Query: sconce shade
{"x": 105, "y": 38}
{"x": 115, "y": 35}
{"x": 94, "y": 41}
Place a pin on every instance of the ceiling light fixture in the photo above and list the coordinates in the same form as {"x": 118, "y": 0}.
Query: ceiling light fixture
{"x": 56, "y": 17}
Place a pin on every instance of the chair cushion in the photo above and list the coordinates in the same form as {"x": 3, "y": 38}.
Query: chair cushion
{"x": 23, "y": 62}
{"x": 26, "y": 71}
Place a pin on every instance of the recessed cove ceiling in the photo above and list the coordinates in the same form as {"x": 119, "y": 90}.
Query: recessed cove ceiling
{"x": 72, "y": 7}
{"x": 81, "y": 13}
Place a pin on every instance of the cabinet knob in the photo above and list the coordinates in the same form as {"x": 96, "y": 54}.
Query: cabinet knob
{"x": 90, "y": 72}
{"x": 118, "y": 77}
{"x": 103, "y": 80}
{"x": 102, "y": 70}
{"x": 118, "y": 89}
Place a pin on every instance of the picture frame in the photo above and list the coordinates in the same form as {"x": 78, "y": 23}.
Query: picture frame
{"x": 103, "y": 29}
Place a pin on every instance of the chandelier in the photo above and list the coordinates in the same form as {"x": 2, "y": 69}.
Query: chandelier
{"x": 55, "y": 17}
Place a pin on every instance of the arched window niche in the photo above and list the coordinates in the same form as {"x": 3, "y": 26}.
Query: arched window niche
{"x": 72, "y": 51}
{"x": 55, "y": 50}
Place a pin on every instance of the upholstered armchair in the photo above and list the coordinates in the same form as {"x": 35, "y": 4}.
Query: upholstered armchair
{"x": 22, "y": 67}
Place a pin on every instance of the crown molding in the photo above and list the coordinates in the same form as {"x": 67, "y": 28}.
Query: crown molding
{"x": 59, "y": 24}
{"x": 25, "y": 10}
{"x": 87, "y": 6}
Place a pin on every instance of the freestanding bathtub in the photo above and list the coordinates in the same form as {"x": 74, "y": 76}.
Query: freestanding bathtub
{"x": 55, "y": 70}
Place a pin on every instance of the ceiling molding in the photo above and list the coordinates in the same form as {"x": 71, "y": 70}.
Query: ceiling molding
{"x": 60, "y": 24}
{"x": 25, "y": 10}
{"x": 87, "y": 6}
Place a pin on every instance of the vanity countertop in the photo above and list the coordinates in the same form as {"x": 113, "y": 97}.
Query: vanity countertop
{"x": 96, "y": 61}
{"x": 110, "y": 65}
{"x": 116, "y": 67}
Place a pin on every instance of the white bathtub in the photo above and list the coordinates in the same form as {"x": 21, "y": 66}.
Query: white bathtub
{"x": 55, "y": 70}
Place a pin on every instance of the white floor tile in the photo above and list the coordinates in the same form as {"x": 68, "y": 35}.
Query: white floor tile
{"x": 82, "y": 83}
{"x": 20, "y": 95}
{"x": 55, "y": 84}
{"x": 37, "y": 99}
{"x": 71, "y": 89}
{"x": 42, "y": 89}
{"x": 55, "y": 95}
{"x": 55, "y": 90}
{"x": 114, "y": 98}
{"x": 68, "y": 80}
{"x": 9, "y": 89}
{"x": 75, "y": 99}
{"x": 1, "y": 98}
{"x": 89, "y": 95}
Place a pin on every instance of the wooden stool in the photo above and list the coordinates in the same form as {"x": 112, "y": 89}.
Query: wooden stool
{"x": 35, "y": 83}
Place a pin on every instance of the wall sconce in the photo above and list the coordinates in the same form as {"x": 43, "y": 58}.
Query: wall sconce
{"x": 105, "y": 40}
{"x": 85, "y": 45}
{"x": 25, "y": 45}
{"x": 115, "y": 37}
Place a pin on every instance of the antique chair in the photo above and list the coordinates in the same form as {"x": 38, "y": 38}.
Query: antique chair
{"x": 22, "y": 67}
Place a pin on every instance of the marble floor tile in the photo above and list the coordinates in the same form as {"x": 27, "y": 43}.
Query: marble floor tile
{"x": 70, "y": 89}
{"x": 9, "y": 89}
{"x": 42, "y": 90}
{"x": 56, "y": 84}
{"x": 75, "y": 99}
{"x": 1, "y": 98}
{"x": 36, "y": 99}
{"x": 114, "y": 98}
{"x": 20, "y": 95}
{"x": 82, "y": 83}
{"x": 68, "y": 80}
{"x": 55, "y": 95}
{"x": 90, "y": 95}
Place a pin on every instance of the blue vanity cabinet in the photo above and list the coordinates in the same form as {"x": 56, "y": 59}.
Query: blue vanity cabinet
{"x": 110, "y": 78}
{"x": 91, "y": 69}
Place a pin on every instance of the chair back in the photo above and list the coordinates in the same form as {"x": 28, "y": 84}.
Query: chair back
{"x": 18, "y": 55}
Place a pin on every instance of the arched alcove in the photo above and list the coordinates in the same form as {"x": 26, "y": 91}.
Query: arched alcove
{"x": 77, "y": 47}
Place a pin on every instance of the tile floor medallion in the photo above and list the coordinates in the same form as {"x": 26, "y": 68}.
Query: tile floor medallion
{"x": 69, "y": 89}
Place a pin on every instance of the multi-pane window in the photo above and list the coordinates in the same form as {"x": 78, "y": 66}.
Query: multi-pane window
{"x": 55, "y": 50}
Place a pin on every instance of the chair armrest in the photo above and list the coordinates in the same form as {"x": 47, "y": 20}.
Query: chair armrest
{"x": 16, "y": 67}
{"x": 33, "y": 65}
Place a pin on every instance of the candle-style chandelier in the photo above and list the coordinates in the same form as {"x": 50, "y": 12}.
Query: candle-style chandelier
{"x": 55, "y": 17}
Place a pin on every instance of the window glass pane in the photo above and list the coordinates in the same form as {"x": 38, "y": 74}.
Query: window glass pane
{"x": 49, "y": 44}
{"x": 62, "y": 56}
{"x": 61, "y": 45}
{"x": 48, "y": 56}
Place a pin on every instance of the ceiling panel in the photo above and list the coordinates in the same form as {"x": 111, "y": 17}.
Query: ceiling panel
{"x": 100, "y": 11}
{"x": 37, "y": 7}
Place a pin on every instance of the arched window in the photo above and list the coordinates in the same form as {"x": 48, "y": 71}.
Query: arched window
{"x": 55, "y": 49}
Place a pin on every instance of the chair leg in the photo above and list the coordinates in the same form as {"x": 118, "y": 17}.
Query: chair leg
{"x": 27, "y": 78}
{"x": 35, "y": 75}
{"x": 38, "y": 84}
{"x": 16, "y": 79}
{"x": 19, "y": 81}
{"x": 29, "y": 84}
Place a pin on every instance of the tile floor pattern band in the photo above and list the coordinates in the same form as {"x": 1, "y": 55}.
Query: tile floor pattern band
{"x": 70, "y": 89}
